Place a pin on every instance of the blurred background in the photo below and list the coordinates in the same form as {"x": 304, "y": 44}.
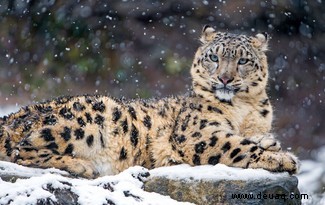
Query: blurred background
{"x": 144, "y": 48}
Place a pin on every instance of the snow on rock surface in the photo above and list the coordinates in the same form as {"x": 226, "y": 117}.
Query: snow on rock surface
{"x": 124, "y": 188}
{"x": 128, "y": 187}
{"x": 217, "y": 172}
{"x": 221, "y": 184}
{"x": 11, "y": 169}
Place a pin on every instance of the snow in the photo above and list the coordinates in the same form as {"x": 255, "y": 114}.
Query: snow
{"x": 217, "y": 172}
{"x": 13, "y": 169}
{"x": 312, "y": 178}
{"x": 127, "y": 187}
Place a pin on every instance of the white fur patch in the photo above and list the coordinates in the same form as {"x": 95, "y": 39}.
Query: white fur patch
{"x": 104, "y": 166}
{"x": 224, "y": 95}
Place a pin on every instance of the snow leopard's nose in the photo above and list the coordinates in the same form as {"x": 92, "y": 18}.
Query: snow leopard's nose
{"x": 225, "y": 80}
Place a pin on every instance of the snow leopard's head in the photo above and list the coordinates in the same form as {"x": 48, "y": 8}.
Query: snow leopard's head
{"x": 229, "y": 65}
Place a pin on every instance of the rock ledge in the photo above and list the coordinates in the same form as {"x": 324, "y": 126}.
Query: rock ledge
{"x": 223, "y": 185}
{"x": 264, "y": 191}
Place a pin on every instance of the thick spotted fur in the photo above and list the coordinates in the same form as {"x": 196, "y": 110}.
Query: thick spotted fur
{"x": 226, "y": 118}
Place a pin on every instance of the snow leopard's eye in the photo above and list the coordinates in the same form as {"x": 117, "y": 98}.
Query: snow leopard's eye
{"x": 214, "y": 58}
{"x": 242, "y": 61}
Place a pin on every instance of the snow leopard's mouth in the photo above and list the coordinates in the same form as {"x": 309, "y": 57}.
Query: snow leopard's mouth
{"x": 224, "y": 92}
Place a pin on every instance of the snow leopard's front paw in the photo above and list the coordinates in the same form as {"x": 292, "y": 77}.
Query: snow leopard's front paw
{"x": 276, "y": 162}
{"x": 267, "y": 142}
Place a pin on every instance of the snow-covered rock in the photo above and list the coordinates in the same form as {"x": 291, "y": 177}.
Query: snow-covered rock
{"x": 137, "y": 185}
{"x": 221, "y": 184}
{"x": 48, "y": 187}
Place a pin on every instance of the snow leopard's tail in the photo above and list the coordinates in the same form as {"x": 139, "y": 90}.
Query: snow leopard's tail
{"x": 12, "y": 130}
{"x": 5, "y": 145}
{"x": 16, "y": 126}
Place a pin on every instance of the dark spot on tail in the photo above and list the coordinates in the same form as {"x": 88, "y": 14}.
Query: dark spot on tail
{"x": 90, "y": 140}
{"x": 125, "y": 126}
{"x": 239, "y": 158}
{"x": 213, "y": 141}
{"x": 214, "y": 159}
{"x": 81, "y": 122}
{"x": 52, "y": 145}
{"x": 254, "y": 156}
{"x": 234, "y": 152}
{"x": 196, "y": 135}
{"x": 49, "y": 120}
{"x": 200, "y": 147}
{"x": 147, "y": 121}
{"x": 226, "y": 147}
{"x": 245, "y": 142}
{"x": 47, "y": 135}
{"x": 66, "y": 134}
{"x": 116, "y": 115}
{"x": 180, "y": 139}
{"x": 89, "y": 118}
{"x": 185, "y": 122}
{"x": 69, "y": 149}
{"x": 132, "y": 113}
{"x": 79, "y": 133}
{"x": 101, "y": 139}
{"x": 66, "y": 113}
{"x": 88, "y": 99}
{"x": 203, "y": 124}
{"x": 134, "y": 136}
{"x": 196, "y": 159}
{"x": 99, "y": 120}
{"x": 181, "y": 153}
{"x": 8, "y": 146}
{"x": 99, "y": 106}
{"x": 123, "y": 154}
{"x": 77, "y": 106}
{"x": 253, "y": 149}
{"x": 43, "y": 109}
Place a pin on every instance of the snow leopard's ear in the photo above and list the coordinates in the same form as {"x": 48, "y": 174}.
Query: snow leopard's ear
{"x": 208, "y": 34}
{"x": 260, "y": 41}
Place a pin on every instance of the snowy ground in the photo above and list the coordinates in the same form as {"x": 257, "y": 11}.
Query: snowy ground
{"x": 129, "y": 183}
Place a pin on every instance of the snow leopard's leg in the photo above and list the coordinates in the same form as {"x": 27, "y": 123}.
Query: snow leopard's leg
{"x": 232, "y": 150}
